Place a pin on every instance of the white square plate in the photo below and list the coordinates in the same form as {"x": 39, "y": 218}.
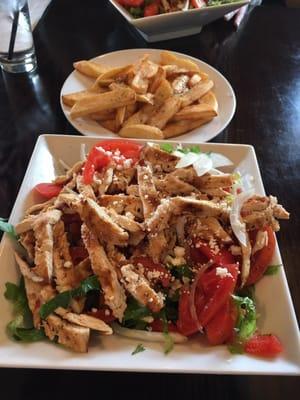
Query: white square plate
{"x": 114, "y": 353}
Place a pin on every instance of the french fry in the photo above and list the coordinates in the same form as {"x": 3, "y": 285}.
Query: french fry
{"x": 130, "y": 110}
{"x": 172, "y": 70}
{"x": 180, "y": 83}
{"x": 178, "y": 128}
{"x": 104, "y": 101}
{"x": 195, "y": 112}
{"x": 144, "y": 70}
{"x": 196, "y": 92}
{"x": 160, "y": 75}
{"x": 103, "y": 115}
{"x": 70, "y": 99}
{"x": 210, "y": 99}
{"x": 147, "y": 98}
{"x": 194, "y": 79}
{"x": 166, "y": 57}
{"x": 109, "y": 124}
{"x": 89, "y": 68}
{"x": 120, "y": 116}
{"x": 141, "y": 130}
{"x": 165, "y": 112}
{"x": 110, "y": 75}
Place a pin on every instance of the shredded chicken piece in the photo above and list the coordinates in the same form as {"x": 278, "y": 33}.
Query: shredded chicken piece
{"x": 99, "y": 221}
{"x": 147, "y": 190}
{"x": 84, "y": 320}
{"x": 72, "y": 336}
{"x": 159, "y": 159}
{"x": 261, "y": 241}
{"x": 85, "y": 190}
{"x": 246, "y": 253}
{"x": 208, "y": 228}
{"x": 27, "y": 240}
{"x": 26, "y": 270}
{"x": 43, "y": 232}
{"x": 138, "y": 286}
{"x": 122, "y": 203}
{"x": 103, "y": 180}
{"x": 113, "y": 292}
{"x": 63, "y": 179}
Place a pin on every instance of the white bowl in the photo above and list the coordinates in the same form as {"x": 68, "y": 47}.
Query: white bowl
{"x": 177, "y": 24}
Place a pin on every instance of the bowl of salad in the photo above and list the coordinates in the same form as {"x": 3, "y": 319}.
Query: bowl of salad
{"x": 159, "y": 20}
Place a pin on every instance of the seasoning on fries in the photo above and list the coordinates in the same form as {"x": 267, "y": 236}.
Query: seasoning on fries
{"x": 146, "y": 99}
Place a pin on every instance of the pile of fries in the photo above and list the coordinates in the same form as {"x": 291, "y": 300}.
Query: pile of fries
{"x": 146, "y": 99}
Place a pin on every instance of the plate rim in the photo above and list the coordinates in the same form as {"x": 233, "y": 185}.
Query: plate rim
{"x": 223, "y": 371}
{"x": 144, "y": 50}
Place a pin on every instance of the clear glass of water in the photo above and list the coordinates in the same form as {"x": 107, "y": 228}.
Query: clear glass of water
{"x": 16, "y": 43}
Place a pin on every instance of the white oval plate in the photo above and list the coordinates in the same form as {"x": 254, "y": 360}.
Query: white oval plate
{"x": 224, "y": 93}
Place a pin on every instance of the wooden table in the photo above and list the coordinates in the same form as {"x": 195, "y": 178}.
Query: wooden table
{"x": 261, "y": 61}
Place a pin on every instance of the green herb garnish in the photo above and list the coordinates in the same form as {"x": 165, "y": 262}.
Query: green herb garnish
{"x": 8, "y": 228}
{"x": 181, "y": 271}
{"x": 169, "y": 342}
{"x": 63, "y": 299}
{"x": 167, "y": 147}
{"x": 136, "y": 12}
{"x": 272, "y": 269}
{"x": 139, "y": 349}
{"x": 191, "y": 149}
{"x": 21, "y": 327}
{"x": 246, "y": 323}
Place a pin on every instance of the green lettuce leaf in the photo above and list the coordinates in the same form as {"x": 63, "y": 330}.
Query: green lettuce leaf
{"x": 246, "y": 323}
{"x": 272, "y": 269}
{"x": 8, "y": 228}
{"x": 63, "y": 299}
{"x": 167, "y": 147}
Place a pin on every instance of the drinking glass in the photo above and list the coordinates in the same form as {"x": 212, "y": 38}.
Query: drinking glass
{"x": 16, "y": 42}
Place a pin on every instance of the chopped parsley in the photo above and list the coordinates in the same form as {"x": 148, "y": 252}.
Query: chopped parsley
{"x": 272, "y": 269}
{"x": 139, "y": 349}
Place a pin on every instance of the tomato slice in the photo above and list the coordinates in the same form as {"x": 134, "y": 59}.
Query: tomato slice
{"x": 261, "y": 259}
{"x": 186, "y": 324}
{"x": 198, "y": 3}
{"x": 99, "y": 156}
{"x": 210, "y": 280}
{"x": 158, "y": 326}
{"x": 131, "y": 3}
{"x": 151, "y": 9}
{"x": 164, "y": 276}
{"x": 102, "y": 314}
{"x": 264, "y": 346}
{"x": 48, "y": 190}
{"x": 221, "y": 328}
{"x": 222, "y": 257}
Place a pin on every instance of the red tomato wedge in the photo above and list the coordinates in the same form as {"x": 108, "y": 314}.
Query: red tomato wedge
{"x": 221, "y": 328}
{"x": 131, "y": 3}
{"x": 158, "y": 326}
{"x": 198, "y": 3}
{"x": 100, "y": 156}
{"x": 222, "y": 257}
{"x": 261, "y": 260}
{"x": 264, "y": 346}
{"x": 151, "y": 9}
{"x": 186, "y": 324}
{"x": 48, "y": 190}
{"x": 150, "y": 266}
{"x": 219, "y": 297}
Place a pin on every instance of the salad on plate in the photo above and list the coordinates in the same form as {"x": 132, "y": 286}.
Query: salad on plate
{"x": 152, "y": 242}
{"x": 149, "y": 8}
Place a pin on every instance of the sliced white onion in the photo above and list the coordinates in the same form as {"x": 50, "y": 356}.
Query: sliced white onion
{"x": 187, "y": 160}
{"x": 64, "y": 165}
{"x": 239, "y": 227}
{"x": 178, "y": 153}
{"x": 247, "y": 182}
{"x": 219, "y": 160}
{"x": 215, "y": 171}
{"x": 203, "y": 164}
{"x": 82, "y": 152}
{"x": 146, "y": 335}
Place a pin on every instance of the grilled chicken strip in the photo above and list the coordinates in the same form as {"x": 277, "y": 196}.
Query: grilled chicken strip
{"x": 27, "y": 240}
{"x": 102, "y": 181}
{"x": 208, "y": 228}
{"x": 63, "y": 179}
{"x": 62, "y": 260}
{"x": 177, "y": 206}
{"x": 121, "y": 179}
{"x": 26, "y": 271}
{"x": 85, "y": 190}
{"x": 114, "y": 293}
{"x": 135, "y": 229}
{"x": 98, "y": 220}
{"x": 159, "y": 159}
{"x": 173, "y": 186}
{"x": 208, "y": 181}
{"x": 147, "y": 190}
{"x": 84, "y": 320}
{"x": 72, "y": 336}
{"x": 43, "y": 232}
{"x": 122, "y": 203}
{"x": 138, "y": 286}
{"x": 157, "y": 245}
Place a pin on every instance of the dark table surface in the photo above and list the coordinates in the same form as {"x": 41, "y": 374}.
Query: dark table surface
{"x": 262, "y": 62}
